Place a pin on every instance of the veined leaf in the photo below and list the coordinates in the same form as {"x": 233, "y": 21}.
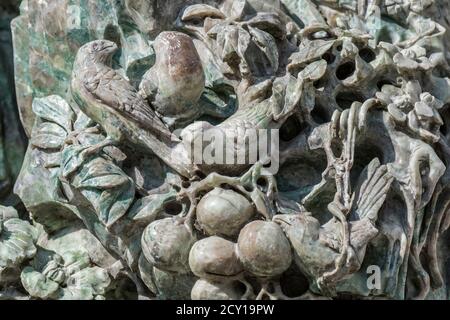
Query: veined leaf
{"x": 54, "y": 109}
{"x": 310, "y": 52}
{"x": 314, "y": 71}
{"x": 107, "y": 187}
{"x": 48, "y": 135}
{"x": 266, "y": 43}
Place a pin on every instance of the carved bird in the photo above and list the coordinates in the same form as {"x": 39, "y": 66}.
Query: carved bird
{"x": 318, "y": 246}
{"x": 175, "y": 83}
{"x": 104, "y": 95}
{"x": 262, "y": 106}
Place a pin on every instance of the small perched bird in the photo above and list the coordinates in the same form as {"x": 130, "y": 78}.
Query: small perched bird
{"x": 175, "y": 83}
{"x": 104, "y": 95}
{"x": 318, "y": 246}
{"x": 263, "y": 106}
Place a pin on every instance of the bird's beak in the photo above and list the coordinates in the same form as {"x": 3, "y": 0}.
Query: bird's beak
{"x": 111, "y": 48}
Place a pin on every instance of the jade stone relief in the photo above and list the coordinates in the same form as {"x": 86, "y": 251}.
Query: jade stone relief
{"x": 225, "y": 149}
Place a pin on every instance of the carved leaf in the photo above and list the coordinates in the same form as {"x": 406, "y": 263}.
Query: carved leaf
{"x": 314, "y": 71}
{"x": 269, "y": 22}
{"x": 266, "y": 43}
{"x": 200, "y": 12}
{"x": 107, "y": 187}
{"x": 54, "y": 109}
{"x": 48, "y": 135}
{"x": 307, "y": 53}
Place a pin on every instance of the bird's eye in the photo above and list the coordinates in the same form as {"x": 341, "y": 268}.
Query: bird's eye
{"x": 95, "y": 46}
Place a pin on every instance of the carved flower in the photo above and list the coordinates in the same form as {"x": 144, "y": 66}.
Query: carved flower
{"x": 71, "y": 277}
{"x": 425, "y": 119}
{"x": 418, "y": 111}
{"x": 412, "y": 59}
{"x": 17, "y": 240}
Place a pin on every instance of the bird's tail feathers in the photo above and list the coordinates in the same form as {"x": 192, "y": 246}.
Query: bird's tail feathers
{"x": 373, "y": 185}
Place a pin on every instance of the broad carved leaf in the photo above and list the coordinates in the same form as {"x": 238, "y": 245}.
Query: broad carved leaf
{"x": 54, "y": 109}
{"x": 101, "y": 174}
{"x": 310, "y": 52}
{"x": 48, "y": 135}
{"x": 314, "y": 71}
{"x": 200, "y": 12}
{"x": 270, "y": 23}
{"x": 266, "y": 43}
{"x": 107, "y": 187}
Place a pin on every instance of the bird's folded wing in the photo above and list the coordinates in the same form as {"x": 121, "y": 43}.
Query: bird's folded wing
{"x": 114, "y": 91}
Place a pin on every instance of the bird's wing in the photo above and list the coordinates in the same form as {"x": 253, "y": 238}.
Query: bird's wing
{"x": 112, "y": 89}
{"x": 374, "y": 183}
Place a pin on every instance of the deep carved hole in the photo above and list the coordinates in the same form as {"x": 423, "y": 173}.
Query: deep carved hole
{"x": 319, "y": 83}
{"x": 293, "y": 282}
{"x": 262, "y": 184}
{"x": 173, "y": 208}
{"x": 367, "y": 152}
{"x": 240, "y": 288}
{"x": 345, "y": 99}
{"x": 320, "y": 115}
{"x": 125, "y": 289}
{"x": 200, "y": 174}
{"x": 445, "y": 114}
{"x": 345, "y": 70}
{"x": 329, "y": 57}
{"x": 290, "y": 128}
{"x": 367, "y": 54}
{"x": 185, "y": 184}
{"x": 336, "y": 147}
{"x": 443, "y": 130}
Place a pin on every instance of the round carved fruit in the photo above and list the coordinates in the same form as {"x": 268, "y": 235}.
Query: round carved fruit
{"x": 223, "y": 212}
{"x": 263, "y": 249}
{"x": 166, "y": 244}
{"x": 214, "y": 258}
{"x": 216, "y": 290}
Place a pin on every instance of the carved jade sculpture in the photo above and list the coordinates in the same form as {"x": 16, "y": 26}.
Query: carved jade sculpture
{"x": 352, "y": 202}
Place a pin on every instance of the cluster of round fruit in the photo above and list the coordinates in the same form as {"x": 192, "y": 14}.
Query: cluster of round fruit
{"x": 231, "y": 245}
